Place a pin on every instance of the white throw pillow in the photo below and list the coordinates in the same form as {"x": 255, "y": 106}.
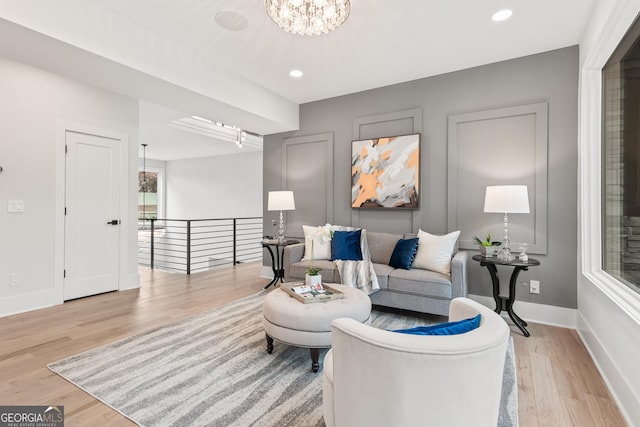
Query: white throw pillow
{"x": 435, "y": 252}
{"x": 321, "y": 243}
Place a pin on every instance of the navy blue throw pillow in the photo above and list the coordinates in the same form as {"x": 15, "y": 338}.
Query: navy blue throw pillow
{"x": 403, "y": 253}
{"x": 345, "y": 246}
{"x": 450, "y": 328}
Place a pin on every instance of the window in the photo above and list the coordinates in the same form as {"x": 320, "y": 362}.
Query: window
{"x": 621, "y": 161}
{"x": 150, "y": 194}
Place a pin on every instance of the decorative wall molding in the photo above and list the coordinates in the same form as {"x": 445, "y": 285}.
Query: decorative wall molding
{"x": 498, "y": 147}
{"x": 307, "y": 170}
{"x": 389, "y": 124}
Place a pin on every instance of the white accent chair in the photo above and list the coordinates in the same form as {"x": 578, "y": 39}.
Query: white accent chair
{"x": 374, "y": 377}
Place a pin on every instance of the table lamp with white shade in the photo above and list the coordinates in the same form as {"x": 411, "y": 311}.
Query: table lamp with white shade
{"x": 281, "y": 201}
{"x": 506, "y": 199}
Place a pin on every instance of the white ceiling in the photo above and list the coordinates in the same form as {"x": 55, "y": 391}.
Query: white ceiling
{"x": 167, "y": 140}
{"x": 182, "y": 59}
{"x": 382, "y": 42}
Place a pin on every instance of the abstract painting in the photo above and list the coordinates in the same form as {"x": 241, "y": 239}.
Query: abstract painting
{"x": 385, "y": 172}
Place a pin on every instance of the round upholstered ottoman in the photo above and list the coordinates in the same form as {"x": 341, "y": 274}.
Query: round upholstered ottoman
{"x": 287, "y": 320}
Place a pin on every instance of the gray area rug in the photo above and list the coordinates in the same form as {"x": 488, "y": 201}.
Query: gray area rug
{"x": 212, "y": 369}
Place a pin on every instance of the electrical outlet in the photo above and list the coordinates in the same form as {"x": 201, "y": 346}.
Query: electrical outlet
{"x": 15, "y": 206}
{"x": 534, "y": 287}
{"x": 15, "y": 280}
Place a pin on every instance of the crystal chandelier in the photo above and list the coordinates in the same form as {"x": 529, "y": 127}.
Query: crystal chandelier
{"x": 308, "y": 17}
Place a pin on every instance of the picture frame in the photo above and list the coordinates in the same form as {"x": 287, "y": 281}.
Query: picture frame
{"x": 385, "y": 172}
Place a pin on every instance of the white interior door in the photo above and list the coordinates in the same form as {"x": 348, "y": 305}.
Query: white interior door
{"x": 92, "y": 215}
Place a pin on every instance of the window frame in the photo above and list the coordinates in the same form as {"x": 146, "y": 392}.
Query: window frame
{"x": 161, "y": 188}
{"x": 590, "y": 161}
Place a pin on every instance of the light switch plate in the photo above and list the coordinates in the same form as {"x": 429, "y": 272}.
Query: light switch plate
{"x": 15, "y": 206}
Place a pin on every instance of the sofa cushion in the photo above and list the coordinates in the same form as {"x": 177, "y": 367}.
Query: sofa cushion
{"x": 329, "y": 271}
{"x": 381, "y": 246}
{"x": 382, "y": 272}
{"x": 449, "y": 328}
{"x": 412, "y": 235}
{"x": 317, "y": 241}
{"x": 345, "y": 246}
{"x": 403, "y": 253}
{"x": 420, "y": 282}
{"x": 435, "y": 252}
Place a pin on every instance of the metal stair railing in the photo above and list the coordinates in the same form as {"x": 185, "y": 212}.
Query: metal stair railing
{"x": 194, "y": 245}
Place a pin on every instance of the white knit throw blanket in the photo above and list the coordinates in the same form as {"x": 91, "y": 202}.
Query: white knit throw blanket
{"x": 358, "y": 274}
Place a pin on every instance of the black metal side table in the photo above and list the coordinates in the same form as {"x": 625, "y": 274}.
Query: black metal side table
{"x": 518, "y": 266}
{"x": 277, "y": 260}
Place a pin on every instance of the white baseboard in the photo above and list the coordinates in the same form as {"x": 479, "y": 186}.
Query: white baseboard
{"x": 266, "y": 272}
{"x": 26, "y": 302}
{"x": 536, "y": 313}
{"x": 628, "y": 402}
{"x": 42, "y": 299}
{"x": 132, "y": 281}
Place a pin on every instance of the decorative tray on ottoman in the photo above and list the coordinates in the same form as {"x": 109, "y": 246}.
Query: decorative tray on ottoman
{"x": 312, "y": 293}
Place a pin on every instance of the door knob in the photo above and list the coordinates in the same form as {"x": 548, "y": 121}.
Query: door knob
{"x": 113, "y": 222}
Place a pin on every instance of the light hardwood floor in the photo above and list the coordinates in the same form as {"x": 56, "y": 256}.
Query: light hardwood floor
{"x": 558, "y": 384}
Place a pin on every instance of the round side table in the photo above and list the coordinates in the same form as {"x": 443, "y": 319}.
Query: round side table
{"x": 277, "y": 261}
{"x": 491, "y": 263}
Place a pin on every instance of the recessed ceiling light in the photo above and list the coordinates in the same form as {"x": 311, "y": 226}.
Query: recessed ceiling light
{"x": 502, "y": 15}
{"x": 296, "y": 73}
{"x": 232, "y": 21}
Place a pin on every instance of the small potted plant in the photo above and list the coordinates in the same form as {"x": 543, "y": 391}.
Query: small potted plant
{"x": 487, "y": 247}
{"x": 312, "y": 274}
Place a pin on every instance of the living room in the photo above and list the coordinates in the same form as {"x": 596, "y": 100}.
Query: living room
{"x": 42, "y": 91}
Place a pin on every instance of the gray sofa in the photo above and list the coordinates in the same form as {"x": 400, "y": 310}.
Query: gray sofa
{"x": 416, "y": 289}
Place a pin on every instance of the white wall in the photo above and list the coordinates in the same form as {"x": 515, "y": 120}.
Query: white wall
{"x": 608, "y": 312}
{"x": 128, "y": 55}
{"x": 31, "y": 103}
{"x": 215, "y": 187}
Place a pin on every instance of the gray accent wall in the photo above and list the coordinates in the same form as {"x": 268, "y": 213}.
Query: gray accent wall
{"x": 426, "y": 106}
{"x": 374, "y": 126}
{"x": 497, "y": 147}
{"x": 307, "y": 170}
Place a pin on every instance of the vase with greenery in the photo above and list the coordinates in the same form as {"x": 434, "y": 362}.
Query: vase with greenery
{"x": 487, "y": 247}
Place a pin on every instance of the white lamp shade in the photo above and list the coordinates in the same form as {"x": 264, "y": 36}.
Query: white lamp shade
{"x": 281, "y": 201}
{"x": 506, "y": 199}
